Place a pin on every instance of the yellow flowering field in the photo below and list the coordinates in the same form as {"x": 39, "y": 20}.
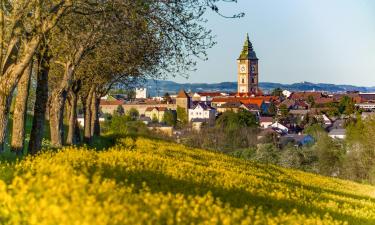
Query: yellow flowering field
{"x": 143, "y": 181}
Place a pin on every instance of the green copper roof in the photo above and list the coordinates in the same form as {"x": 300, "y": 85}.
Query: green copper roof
{"x": 248, "y": 51}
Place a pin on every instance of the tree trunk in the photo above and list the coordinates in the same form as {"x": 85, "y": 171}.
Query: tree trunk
{"x": 20, "y": 112}
{"x": 77, "y": 133}
{"x": 57, "y": 105}
{"x": 58, "y": 99}
{"x": 56, "y": 117}
{"x": 97, "y": 122}
{"x": 5, "y": 101}
{"x": 95, "y": 126}
{"x": 71, "y": 138}
{"x": 88, "y": 111}
{"x": 40, "y": 107}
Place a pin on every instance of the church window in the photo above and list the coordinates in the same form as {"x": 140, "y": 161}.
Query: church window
{"x": 243, "y": 80}
{"x": 252, "y": 80}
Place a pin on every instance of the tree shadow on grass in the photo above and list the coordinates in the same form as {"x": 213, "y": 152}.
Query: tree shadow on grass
{"x": 236, "y": 197}
{"x": 290, "y": 181}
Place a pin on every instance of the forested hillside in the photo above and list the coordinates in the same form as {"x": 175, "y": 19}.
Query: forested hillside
{"x": 143, "y": 181}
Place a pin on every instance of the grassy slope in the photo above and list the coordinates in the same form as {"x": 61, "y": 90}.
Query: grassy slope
{"x": 148, "y": 181}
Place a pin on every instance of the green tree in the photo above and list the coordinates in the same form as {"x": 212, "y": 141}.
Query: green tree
{"x": 170, "y": 118}
{"x": 133, "y": 113}
{"x": 329, "y": 153}
{"x": 311, "y": 100}
{"x": 130, "y": 94}
{"x": 333, "y": 110}
{"x": 277, "y": 92}
{"x": 154, "y": 119}
{"x": 359, "y": 161}
{"x": 182, "y": 116}
{"x": 120, "y": 111}
{"x": 346, "y": 106}
{"x": 314, "y": 130}
{"x": 124, "y": 125}
{"x": 272, "y": 109}
{"x": 167, "y": 98}
{"x": 267, "y": 153}
{"x": 235, "y": 120}
{"x": 291, "y": 157}
{"x": 283, "y": 112}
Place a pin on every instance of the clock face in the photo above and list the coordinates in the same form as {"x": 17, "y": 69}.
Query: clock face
{"x": 242, "y": 68}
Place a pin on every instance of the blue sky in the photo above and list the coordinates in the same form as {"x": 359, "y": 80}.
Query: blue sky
{"x": 327, "y": 41}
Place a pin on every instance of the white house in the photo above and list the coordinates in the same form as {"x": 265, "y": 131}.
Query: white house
{"x": 337, "y": 133}
{"x": 366, "y": 105}
{"x": 286, "y": 93}
{"x": 140, "y": 93}
{"x": 202, "y": 111}
{"x": 265, "y": 121}
{"x": 280, "y": 127}
{"x": 326, "y": 120}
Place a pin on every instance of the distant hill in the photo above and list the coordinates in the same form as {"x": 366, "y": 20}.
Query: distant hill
{"x": 159, "y": 87}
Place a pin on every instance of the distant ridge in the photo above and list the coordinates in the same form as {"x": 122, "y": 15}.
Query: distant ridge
{"x": 159, "y": 87}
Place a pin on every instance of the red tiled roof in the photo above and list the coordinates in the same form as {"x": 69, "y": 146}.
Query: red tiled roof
{"x": 305, "y": 95}
{"x": 259, "y": 92}
{"x": 148, "y": 109}
{"x": 250, "y": 106}
{"x": 355, "y": 96}
{"x": 266, "y": 119}
{"x": 323, "y": 100}
{"x": 367, "y": 97}
{"x": 182, "y": 94}
{"x": 244, "y": 100}
{"x": 224, "y": 99}
{"x": 254, "y": 101}
{"x": 211, "y": 94}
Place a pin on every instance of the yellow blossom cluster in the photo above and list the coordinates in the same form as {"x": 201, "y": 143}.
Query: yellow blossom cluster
{"x": 143, "y": 181}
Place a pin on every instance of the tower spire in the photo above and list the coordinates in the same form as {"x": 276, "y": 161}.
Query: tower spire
{"x": 248, "y": 50}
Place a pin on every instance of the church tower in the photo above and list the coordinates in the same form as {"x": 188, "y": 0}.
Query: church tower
{"x": 183, "y": 100}
{"x": 247, "y": 65}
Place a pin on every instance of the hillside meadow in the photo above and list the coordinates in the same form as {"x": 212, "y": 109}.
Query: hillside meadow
{"x": 145, "y": 181}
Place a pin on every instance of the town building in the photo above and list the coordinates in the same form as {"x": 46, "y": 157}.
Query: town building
{"x": 367, "y": 106}
{"x": 280, "y": 128}
{"x": 265, "y": 122}
{"x": 108, "y": 107}
{"x": 247, "y": 66}
{"x": 286, "y": 93}
{"x": 183, "y": 100}
{"x": 202, "y": 111}
{"x": 367, "y": 97}
{"x": 337, "y": 133}
{"x": 155, "y": 113}
{"x": 141, "y": 93}
{"x": 207, "y": 96}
